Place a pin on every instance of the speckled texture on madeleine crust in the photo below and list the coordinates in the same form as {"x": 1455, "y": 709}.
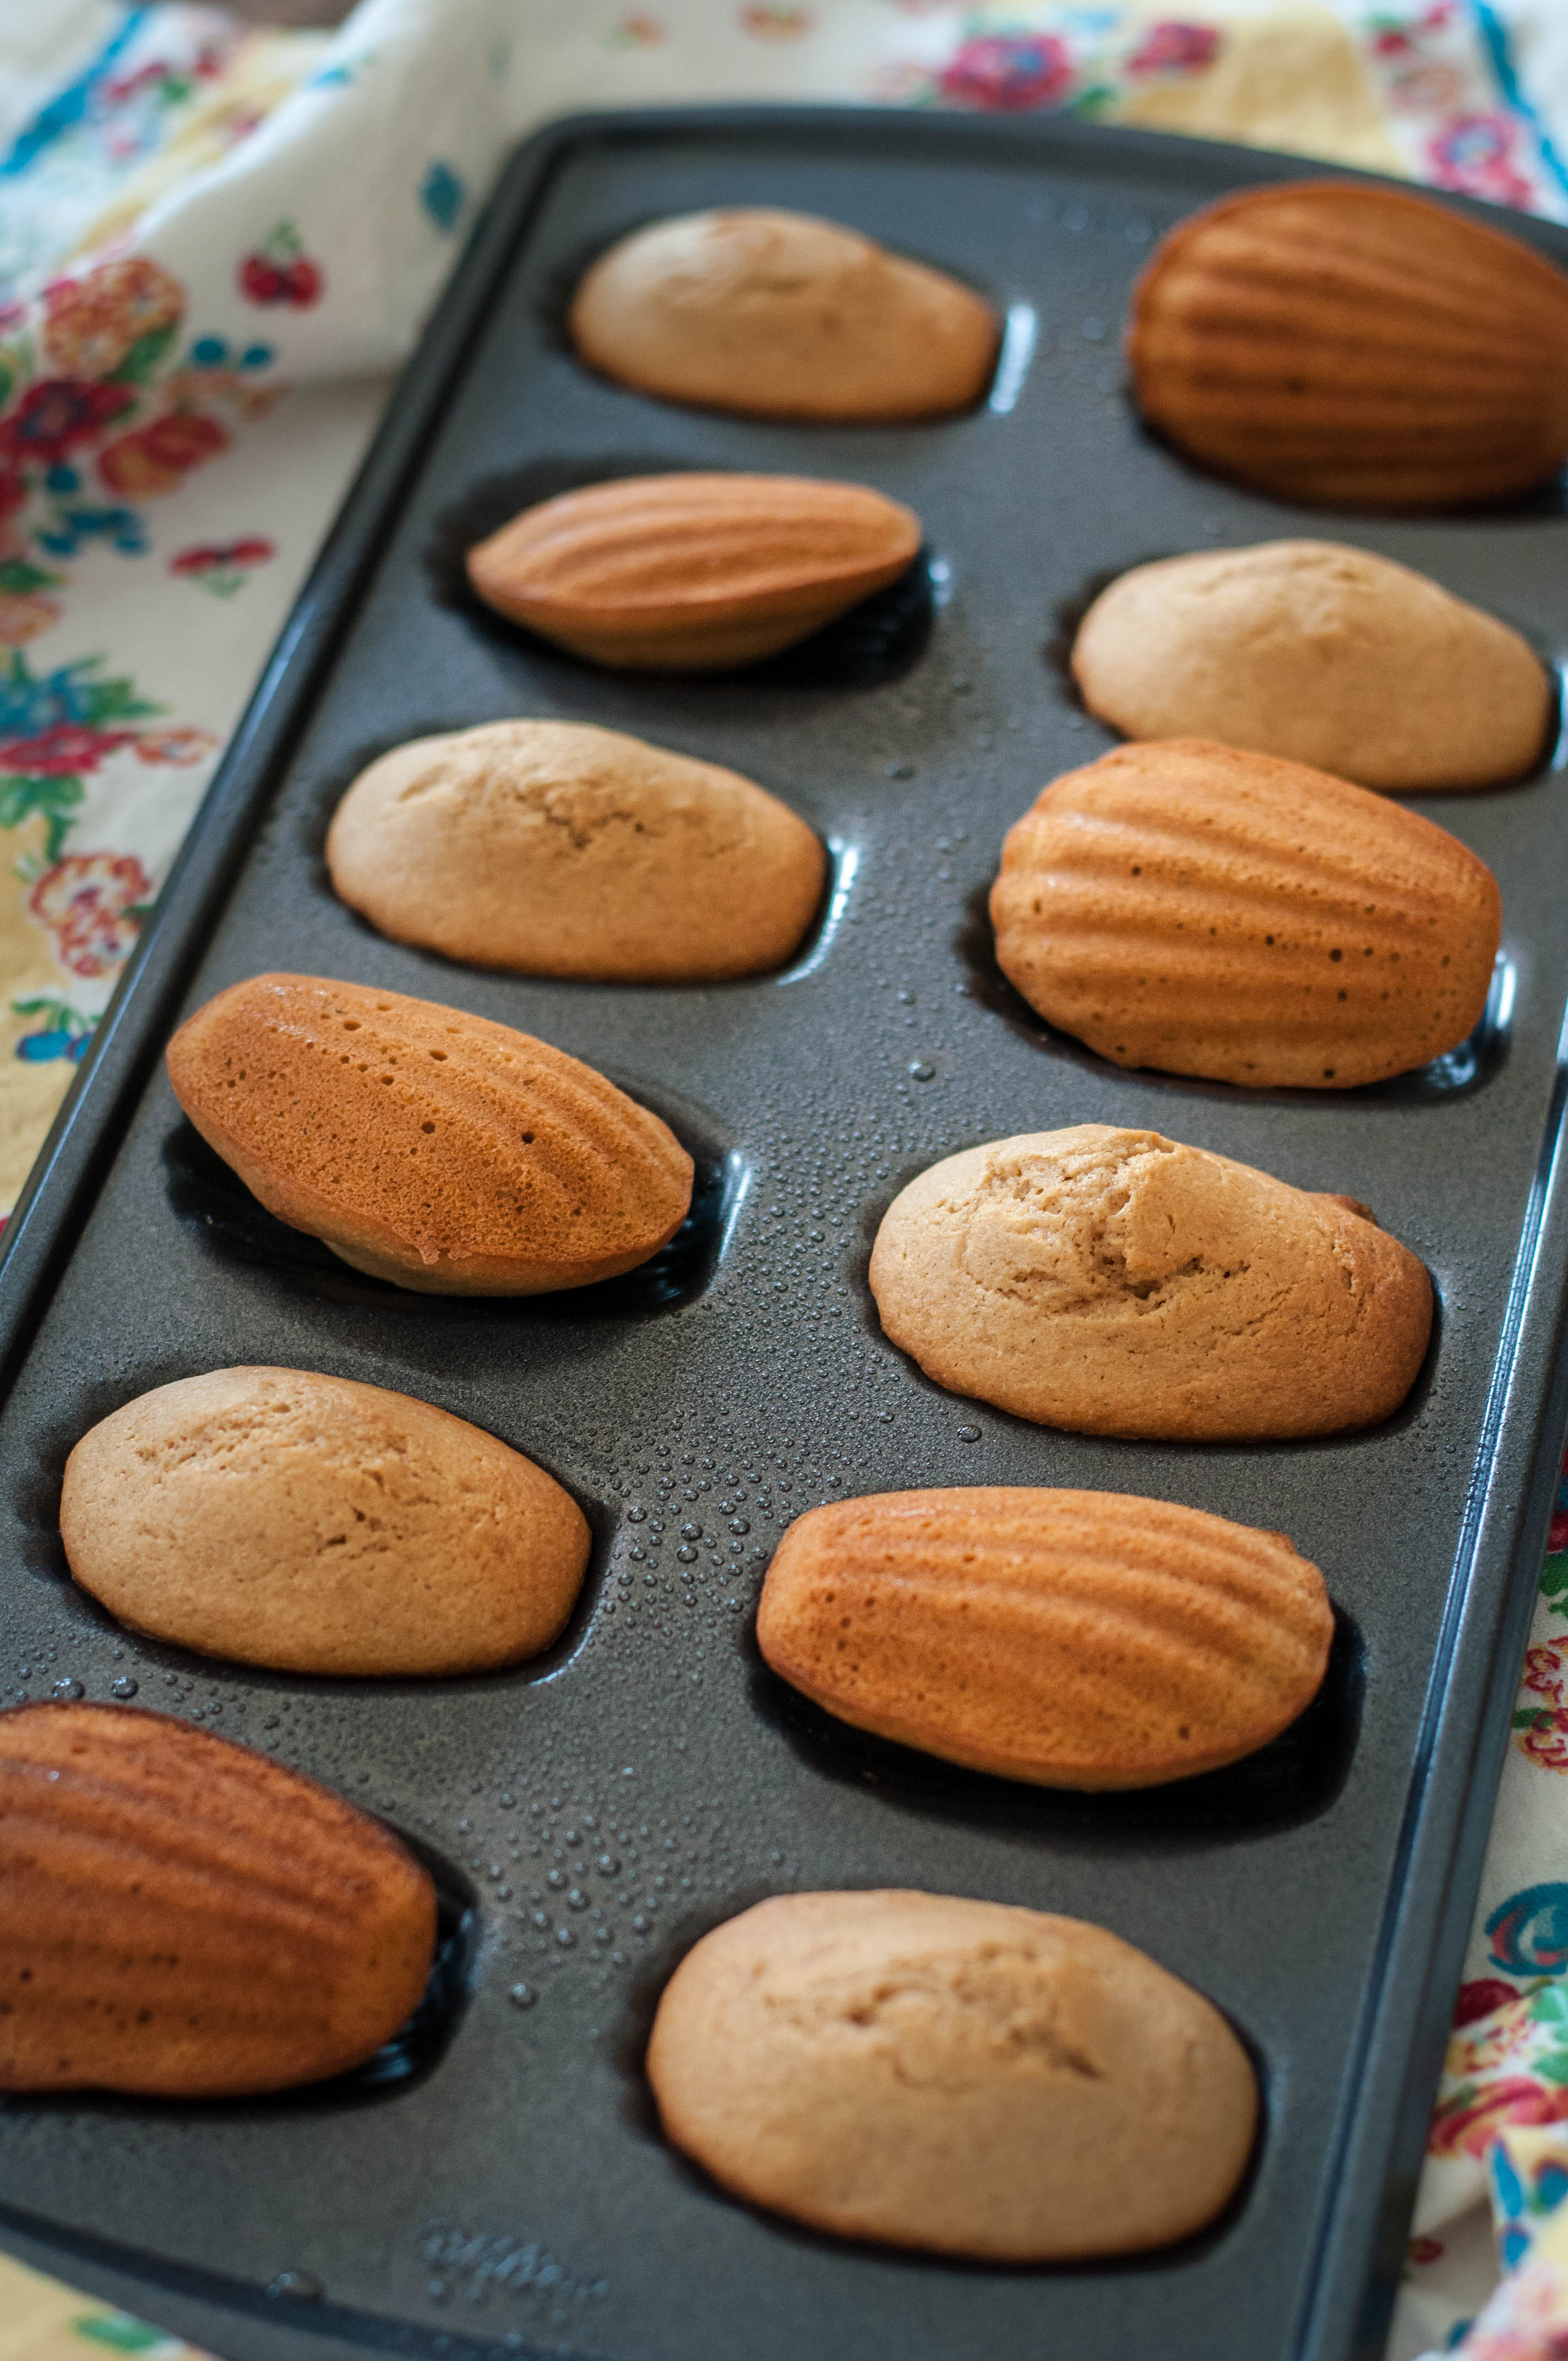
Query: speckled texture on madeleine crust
{"x": 782, "y": 315}
{"x": 1112, "y": 1281}
{"x": 440, "y": 1150}
{"x": 1317, "y": 653}
{"x": 283, "y": 1518}
{"x": 1207, "y": 911}
{"x": 693, "y": 572}
{"x": 1085, "y": 1640}
{"x": 552, "y": 847}
{"x": 965, "y": 2077}
{"x": 1354, "y": 347}
{"x": 185, "y": 1919}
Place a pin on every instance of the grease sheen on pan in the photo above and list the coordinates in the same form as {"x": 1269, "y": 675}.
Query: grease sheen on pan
{"x": 552, "y": 847}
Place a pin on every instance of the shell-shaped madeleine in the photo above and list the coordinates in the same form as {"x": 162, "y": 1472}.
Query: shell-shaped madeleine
{"x": 284, "y": 1517}
{"x": 965, "y": 2077}
{"x": 1209, "y": 911}
{"x": 1085, "y": 1640}
{"x": 1115, "y": 1282}
{"x": 693, "y": 572}
{"x": 1354, "y": 347}
{"x": 556, "y": 849}
{"x": 780, "y": 314}
{"x": 1319, "y": 653}
{"x": 186, "y": 1920}
{"x": 441, "y": 1150}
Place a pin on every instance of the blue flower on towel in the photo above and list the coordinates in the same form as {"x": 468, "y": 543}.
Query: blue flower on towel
{"x": 441, "y": 194}
{"x": 1530, "y": 1931}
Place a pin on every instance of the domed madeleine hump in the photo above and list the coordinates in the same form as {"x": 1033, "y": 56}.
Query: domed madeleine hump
{"x": 967, "y": 2078}
{"x": 693, "y": 572}
{"x": 1208, "y": 911}
{"x": 185, "y": 1919}
{"x": 426, "y": 1146}
{"x": 1317, "y": 653}
{"x": 1085, "y": 1640}
{"x": 1354, "y": 347}
{"x": 554, "y": 848}
{"x": 1113, "y": 1282}
{"x": 782, "y": 316}
{"x": 278, "y": 1516}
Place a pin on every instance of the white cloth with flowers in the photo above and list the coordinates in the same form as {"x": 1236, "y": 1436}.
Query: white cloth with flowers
{"x": 215, "y": 242}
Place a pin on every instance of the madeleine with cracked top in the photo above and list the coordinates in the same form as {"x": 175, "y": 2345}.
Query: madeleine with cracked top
{"x": 552, "y": 847}
{"x": 1318, "y": 654}
{"x": 778, "y": 314}
{"x": 305, "y": 1522}
{"x": 1110, "y": 1281}
{"x": 966, "y": 2078}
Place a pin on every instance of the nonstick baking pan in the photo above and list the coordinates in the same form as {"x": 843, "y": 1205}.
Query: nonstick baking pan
{"x": 497, "y": 2181}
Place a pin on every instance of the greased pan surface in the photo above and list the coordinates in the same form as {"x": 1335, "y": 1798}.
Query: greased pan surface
{"x": 610, "y": 1803}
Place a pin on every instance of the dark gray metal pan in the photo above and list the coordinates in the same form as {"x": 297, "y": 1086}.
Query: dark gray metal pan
{"x": 648, "y": 1778}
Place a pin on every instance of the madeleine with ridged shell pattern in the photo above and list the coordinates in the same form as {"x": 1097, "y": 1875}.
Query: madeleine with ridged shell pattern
{"x": 969, "y": 2078}
{"x": 1354, "y": 347}
{"x": 184, "y": 1919}
{"x": 1112, "y": 1281}
{"x": 441, "y": 1151}
{"x": 781, "y": 315}
{"x": 1007, "y": 1627}
{"x": 1209, "y": 911}
{"x": 692, "y": 571}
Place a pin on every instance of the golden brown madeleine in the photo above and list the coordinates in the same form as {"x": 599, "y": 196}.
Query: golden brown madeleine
{"x": 185, "y": 1919}
{"x": 283, "y": 1517}
{"x": 1354, "y": 347}
{"x": 1075, "y": 1639}
{"x": 1113, "y": 1282}
{"x": 693, "y": 573}
{"x": 782, "y": 315}
{"x": 440, "y": 1150}
{"x": 1207, "y": 911}
{"x": 553, "y": 848}
{"x": 965, "y": 2077}
{"x": 1318, "y": 654}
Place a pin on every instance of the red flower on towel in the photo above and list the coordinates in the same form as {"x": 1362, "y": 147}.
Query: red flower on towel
{"x": 1174, "y": 48}
{"x": 53, "y": 418}
{"x": 91, "y": 903}
{"x": 1008, "y": 73}
{"x": 1468, "y": 2126}
{"x": 155, "y": 458}
{"x": 64, "y": 752}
